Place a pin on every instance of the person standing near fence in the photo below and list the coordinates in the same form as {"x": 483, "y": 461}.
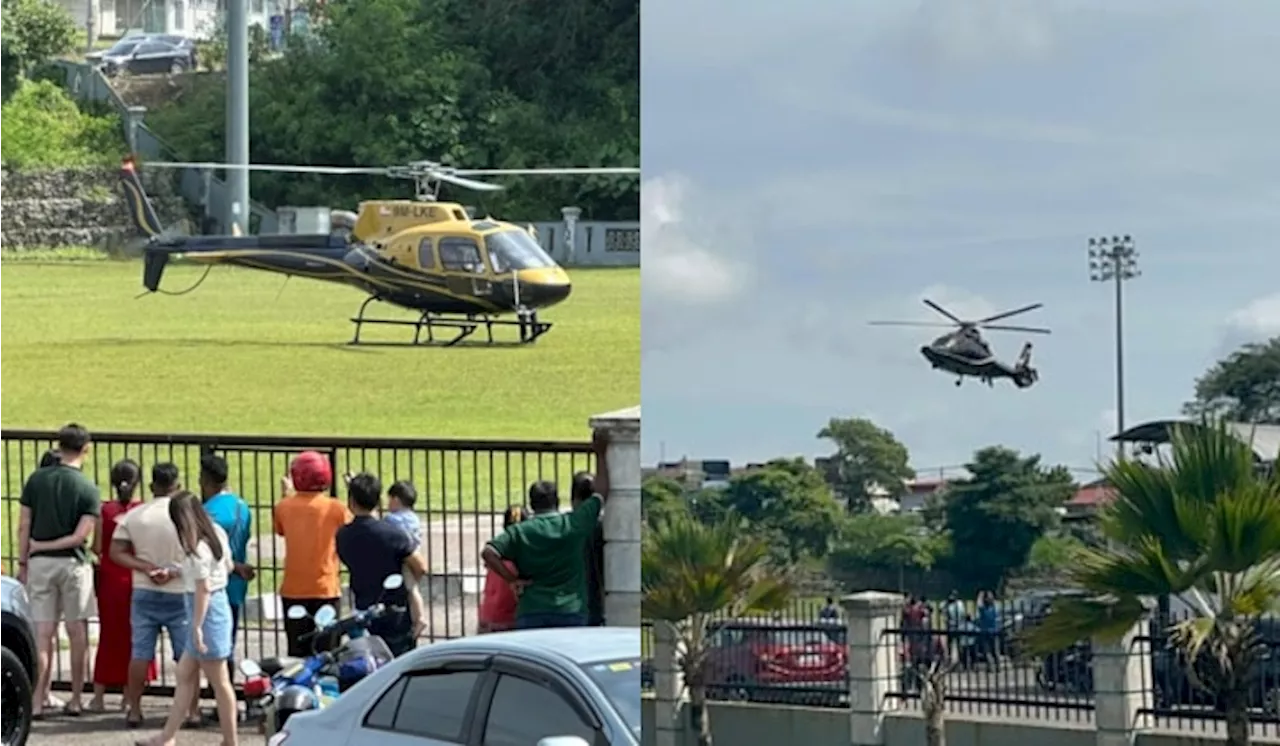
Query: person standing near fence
{"x": 230, "y": 513}
{"x": 497, "y": 611}
{"x": 309, "y": 519}
{"x": 584, "y": 487}
{"x": 114, "y": 587}
{"x": 146, "y": 542}
{"x": 548, "y": 549}
{"x": 60, "y": 508}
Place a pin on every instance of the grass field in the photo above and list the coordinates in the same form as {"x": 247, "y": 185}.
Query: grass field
{"x": 249, "y": 354}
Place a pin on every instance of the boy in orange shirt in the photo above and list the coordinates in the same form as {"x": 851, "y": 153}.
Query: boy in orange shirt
{"x": 309, "y": 519}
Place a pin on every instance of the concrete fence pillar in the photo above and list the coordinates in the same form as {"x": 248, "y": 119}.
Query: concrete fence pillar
{"x": 617, "y": 434}
{"x": 1119, "y": 671}
{"x": 873, "y": 662}
{"x": 668, "y": 686}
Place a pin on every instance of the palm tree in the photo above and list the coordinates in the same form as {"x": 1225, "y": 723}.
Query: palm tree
{"x": 692, "y": 573}
{"x": 1202, "y": 525}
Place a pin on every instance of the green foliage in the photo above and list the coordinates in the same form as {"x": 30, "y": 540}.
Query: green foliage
{"x": 867, "y": 457}
{"x": 43, "y": 128}
{"x": 1204, "y": 526}
{"x": 212, "y": 52}
{"x": 661, "y": 497}
{"x": 886, "y": 542}
{"x": 483, "y": 85}
{"x": 787, "y": 502}
{"x": 1245, "y": 387}
{"x": 997, "y": 515}
{"x": 1053, "y": 553}
{"x": 34, "y": 32}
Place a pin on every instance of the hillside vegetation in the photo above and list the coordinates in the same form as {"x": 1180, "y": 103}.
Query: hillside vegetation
{"x": 493, "y": 84}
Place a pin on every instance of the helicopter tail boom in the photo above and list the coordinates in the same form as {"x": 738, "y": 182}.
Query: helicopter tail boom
{"x": 141, "y": 211}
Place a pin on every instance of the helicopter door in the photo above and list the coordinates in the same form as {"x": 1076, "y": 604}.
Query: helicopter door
{"x": 464, "y": 266}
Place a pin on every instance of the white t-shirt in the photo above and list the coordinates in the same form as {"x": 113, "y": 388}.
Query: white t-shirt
{"x": 202, "y": 565}
{"x": 150, "y": 532}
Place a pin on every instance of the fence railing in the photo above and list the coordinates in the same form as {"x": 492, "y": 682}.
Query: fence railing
{"x": 790, "y": 657}
{"x": 463, "y": 488}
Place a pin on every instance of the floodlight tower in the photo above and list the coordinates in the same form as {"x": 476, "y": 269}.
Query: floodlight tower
{"x": 1115, "y": 260}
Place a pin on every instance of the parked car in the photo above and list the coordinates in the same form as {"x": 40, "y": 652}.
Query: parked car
{"x": 562, "y": 687}
{"x": 777, "y": 661}
{"x": 19, "y": 663}
{"x": 147, "y": 53}
{"x": 1022, "y": 613}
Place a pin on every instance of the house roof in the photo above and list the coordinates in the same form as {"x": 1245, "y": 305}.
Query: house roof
{"x": 1091, "y": 496}
{"x": 1264, "y": 439}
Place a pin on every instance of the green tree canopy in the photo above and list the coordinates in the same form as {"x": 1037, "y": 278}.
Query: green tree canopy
{"x": 787, "y": 501}
{"x": 483, "y": 85}
{"x": 660, "y": 497}
{"x": 885, "y": 541}
{"x": 867, "y": 456}
{"x": 1244, "y": 387}
{"x": 996, "y": 516}
{"x": 32, "y": 32}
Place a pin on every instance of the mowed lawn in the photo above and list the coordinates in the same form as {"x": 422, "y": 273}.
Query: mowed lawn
{"x": 248, "y": 353}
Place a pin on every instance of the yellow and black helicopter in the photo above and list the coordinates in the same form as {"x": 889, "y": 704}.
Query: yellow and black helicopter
{"x": 460, "y": 273}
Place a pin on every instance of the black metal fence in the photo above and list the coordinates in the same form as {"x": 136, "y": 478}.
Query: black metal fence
{"x": 463, "y": 489}
{"x": 789, "y": 658}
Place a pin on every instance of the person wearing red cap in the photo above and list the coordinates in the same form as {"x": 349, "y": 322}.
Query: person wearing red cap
{"x": 309, "y": 519}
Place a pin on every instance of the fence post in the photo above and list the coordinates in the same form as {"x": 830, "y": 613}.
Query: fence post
{"x": 133, "y": 119}
{"x": 1118, "y": 674}
{"x": 620, "y": 433}
{"x": 873, "y": 662}
{"x": 668, "y": 686}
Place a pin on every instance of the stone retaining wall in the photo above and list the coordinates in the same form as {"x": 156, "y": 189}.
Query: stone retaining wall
{"x": 76, "y": 206}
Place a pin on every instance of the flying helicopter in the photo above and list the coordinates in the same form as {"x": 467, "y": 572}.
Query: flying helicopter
{"x": 459, "y": 273}
{"x": 965, "y": 353}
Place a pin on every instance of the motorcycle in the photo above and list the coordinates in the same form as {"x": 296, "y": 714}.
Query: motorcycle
{"x": 343, "y": 654}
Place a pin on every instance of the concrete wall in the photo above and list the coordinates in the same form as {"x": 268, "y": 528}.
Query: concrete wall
{"x": 739, "y": 724}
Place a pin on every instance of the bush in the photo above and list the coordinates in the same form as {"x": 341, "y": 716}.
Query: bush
{"x": 44, "y": 128}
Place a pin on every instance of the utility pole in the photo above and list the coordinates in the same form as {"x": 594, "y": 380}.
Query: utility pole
{"x": 1115, "y": 260}
{"x": 237, "y": 219}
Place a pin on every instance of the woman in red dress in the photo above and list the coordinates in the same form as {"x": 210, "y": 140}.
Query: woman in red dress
{"x": 114, "y": 586}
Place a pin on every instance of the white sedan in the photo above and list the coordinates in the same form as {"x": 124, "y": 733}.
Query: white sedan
{"x": 553, "y": 687}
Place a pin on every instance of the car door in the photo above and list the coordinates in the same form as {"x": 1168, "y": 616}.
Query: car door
{"x": 434, "y": 706}
{"x": 151, "y": 57}
{"x": 527, "y": 703}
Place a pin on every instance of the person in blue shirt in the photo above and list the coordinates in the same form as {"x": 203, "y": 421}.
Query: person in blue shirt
{"x": 229, "y": 511}
{"x": 988, "y": 628}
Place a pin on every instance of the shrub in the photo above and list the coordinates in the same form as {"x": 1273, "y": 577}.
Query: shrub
{"x": 44, "y": 128}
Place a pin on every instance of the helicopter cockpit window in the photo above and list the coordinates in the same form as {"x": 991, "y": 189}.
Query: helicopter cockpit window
{"x": 460, "y": 255}
{"x": 515, "y": 249}
{"x": 426, "y": 257}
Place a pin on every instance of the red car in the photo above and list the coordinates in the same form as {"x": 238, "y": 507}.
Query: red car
{"x": 777, "y": 661}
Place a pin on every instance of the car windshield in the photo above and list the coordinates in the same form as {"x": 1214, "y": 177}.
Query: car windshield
{"x": 514, "y": 249}
{"x": 620, "y": 681}
{"x": 124, "y": 47}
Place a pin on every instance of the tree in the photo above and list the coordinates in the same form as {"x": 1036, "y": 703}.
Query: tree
{"x": 660, "y": 497}
{"x": 499, "y": 84}
{"x": 867, "y": 457}
{"x": 1204, "y": 526}
{"x": 995, "y": 517}
{"x": 34, "y": 32}
{"x": 894, "y": 542}
{"x": 788, "y": 502}
{"x": 692, "y": 573}
{"x": 1245, "y": 387}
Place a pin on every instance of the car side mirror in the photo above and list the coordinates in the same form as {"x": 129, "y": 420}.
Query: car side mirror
{"x": 562, "y": 741}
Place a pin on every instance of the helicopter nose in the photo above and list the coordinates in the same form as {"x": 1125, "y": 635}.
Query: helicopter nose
{"x": 544, "y": 287}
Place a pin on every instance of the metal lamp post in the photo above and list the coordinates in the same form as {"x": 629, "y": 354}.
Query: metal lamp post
{"x": 1115, "y": 260}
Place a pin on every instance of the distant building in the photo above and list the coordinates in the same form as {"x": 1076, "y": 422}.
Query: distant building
{"x": 1086, "y": 501}
{"x": 193, "y": 18}
{"x": 698, "y": 474}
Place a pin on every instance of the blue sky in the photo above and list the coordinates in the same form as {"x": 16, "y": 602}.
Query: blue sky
{"x": 811, "y": 166}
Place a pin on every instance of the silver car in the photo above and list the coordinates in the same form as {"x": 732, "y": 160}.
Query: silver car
{"x": 553, "y": 687}
{"x": 19, "y": 663}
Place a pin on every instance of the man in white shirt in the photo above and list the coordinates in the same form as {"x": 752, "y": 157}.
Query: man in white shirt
{"x": 146, "y": 542}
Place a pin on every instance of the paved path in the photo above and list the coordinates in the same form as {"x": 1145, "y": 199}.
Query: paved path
{"x": 108, "y": 729}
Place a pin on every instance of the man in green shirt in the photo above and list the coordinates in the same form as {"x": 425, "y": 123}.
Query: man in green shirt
{"x": 549, "y": 551}
{"x": 60, "y": 508}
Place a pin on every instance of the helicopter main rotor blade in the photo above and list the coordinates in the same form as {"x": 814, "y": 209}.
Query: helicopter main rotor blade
{"x": 273, "y": 167}
{"x": 927, "y": 324}
{"x": 1027, "y": 329}
{"x": 1014, "y": 312}
{"x": 944, "y": 312}
{"x": 545, "y": 171}
{"x": 472, "y": 184}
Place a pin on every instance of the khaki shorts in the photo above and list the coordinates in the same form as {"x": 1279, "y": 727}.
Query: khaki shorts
{"x": 60, "y": 589}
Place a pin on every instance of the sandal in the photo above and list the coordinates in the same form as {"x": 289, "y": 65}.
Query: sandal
{"x": 72, "y": 712}
{"x": 193, "y": 723}
{"x": 133, "y": 723}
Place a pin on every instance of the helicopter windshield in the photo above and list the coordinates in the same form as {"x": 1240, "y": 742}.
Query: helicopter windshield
{"x": 515, "y": 249}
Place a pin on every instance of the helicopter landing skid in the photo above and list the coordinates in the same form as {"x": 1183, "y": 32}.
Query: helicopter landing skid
{"x": 456, "y": 329}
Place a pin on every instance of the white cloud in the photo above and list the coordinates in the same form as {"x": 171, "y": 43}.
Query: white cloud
{"x": 681, "y": 262}
{"x": 1256, "y": 321}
